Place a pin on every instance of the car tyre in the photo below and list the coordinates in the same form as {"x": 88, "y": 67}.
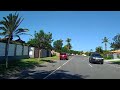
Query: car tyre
{"x": 90, "y": 61}
{"x": 101, "y": 62}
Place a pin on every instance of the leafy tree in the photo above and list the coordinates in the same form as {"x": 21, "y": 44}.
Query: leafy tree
{"x": 57, "y": 45}
{"x": 116, "y": 42}
{"x": 81, "y": 52}
{"x": 99, "y": 49}
{"x": 75, "y": 52}
{"x": 87, "y": 53}
{"x": 65, "y": 49}
{"x": 41, "y": 40}
{"x": 105, "y": 41}
{"x": 9, "y": 28}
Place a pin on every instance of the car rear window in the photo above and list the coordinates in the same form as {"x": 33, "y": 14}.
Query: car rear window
{"x": 96, "y": 55}
{"x": 62, "y": 53}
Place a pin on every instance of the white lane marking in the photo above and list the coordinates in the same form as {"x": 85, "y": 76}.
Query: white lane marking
{"x": 57, "y": 68}
{"x": 90, "y": 65}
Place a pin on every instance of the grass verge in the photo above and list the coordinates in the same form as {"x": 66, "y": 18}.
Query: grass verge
{"x": 50, "y": 59}
{"x": 23, "y": 64}
{"x": 116, "y": 62}
{"x": 18, "y": 65}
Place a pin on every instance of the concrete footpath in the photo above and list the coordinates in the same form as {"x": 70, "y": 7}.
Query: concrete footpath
{"x": 112, "y": 60}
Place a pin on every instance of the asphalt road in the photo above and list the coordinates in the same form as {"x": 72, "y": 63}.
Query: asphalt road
{"x": 78, "y": 67}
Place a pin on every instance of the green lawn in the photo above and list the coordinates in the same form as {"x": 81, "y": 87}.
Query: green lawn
{"x": 50, "y": 58}
{"x": 107, "y": 59}
{"x": 116, "y": 62}
{"x": 23, "y": 64}
{"x": 17, "y": 65}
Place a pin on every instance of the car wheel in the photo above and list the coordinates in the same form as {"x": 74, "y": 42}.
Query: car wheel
{"x": 90, "y": 61}
{"x": 101, "y": 63}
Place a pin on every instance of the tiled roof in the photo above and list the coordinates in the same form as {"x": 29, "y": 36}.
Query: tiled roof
{"x": 116, "y": 51}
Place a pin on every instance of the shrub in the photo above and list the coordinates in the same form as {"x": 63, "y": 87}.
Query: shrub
{"x": 54, "y": 54}
{"x": 107, "y": 57}
{"x": 118, "y": 56}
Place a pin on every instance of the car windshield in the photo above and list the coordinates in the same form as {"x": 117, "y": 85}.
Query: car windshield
{"x": 96, "y": 55}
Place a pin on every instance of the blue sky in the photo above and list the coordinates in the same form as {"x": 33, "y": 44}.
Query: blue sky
{"x": 85, "y": 28}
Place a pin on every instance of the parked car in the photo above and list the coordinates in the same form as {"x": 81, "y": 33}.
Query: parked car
{"x": 96, "y": 58}
{"x": 63, "y": 56}
{"x": 72, "y": 54}
{"x": 84, "y": 55}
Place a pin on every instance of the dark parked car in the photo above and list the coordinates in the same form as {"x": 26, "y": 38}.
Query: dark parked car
{"x": 96, "y": 58}
{"x": 63, "y": 56}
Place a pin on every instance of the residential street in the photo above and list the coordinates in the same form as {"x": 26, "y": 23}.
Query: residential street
{"x": 78, "y": 67}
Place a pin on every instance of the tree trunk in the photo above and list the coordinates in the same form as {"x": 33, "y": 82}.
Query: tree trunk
{"x": 7, "y": 50}
{"x": 105, "y": 46}
{"x": 39, "y": 53}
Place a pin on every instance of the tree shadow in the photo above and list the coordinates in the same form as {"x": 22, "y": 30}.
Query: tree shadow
{"x": 17, "y": 66}
{"x": 118, "y": 63}
{"x": 60, "y": 74}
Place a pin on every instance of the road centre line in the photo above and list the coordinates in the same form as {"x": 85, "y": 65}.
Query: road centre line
{"x": 57, "y": 69}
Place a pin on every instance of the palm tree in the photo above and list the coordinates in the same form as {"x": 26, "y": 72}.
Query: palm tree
{"x": 9, "y": 26}
{"x": 68, "y": 40}
{"x": 105, "y": 40}
{"x": 68, "y": 43}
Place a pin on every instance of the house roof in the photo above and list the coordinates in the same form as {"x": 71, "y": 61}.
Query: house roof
{"x": 116, "y": 51}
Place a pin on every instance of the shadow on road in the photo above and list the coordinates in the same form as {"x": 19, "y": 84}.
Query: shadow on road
{"x": 60, "y": 74}
{"x": 118, "y": 63}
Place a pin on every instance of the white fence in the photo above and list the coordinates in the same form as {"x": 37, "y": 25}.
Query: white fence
{"x": 2, "y": 49}
{"x": 21, "y": 51}
{"x": 42, "y": 52}
{"x": 14, "y": 51}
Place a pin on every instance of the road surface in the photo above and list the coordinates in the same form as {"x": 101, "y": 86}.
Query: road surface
{"x": 78, "y": 67}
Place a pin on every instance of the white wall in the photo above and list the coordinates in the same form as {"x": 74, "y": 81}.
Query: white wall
{"x": 25, "y": 52}
{"x": 19, "y": 50}
{"x": 31, "y": 52}
{"x": 2, "y": 49}
{"x": 11, "y": 49}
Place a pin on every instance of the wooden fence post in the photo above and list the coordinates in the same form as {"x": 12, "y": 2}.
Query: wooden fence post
{"x": 15, "y": 50}
{"x": 28, "y": 51}
{"x": 22, "y": 50}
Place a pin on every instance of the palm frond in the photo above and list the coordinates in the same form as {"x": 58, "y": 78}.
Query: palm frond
{"x": 4, "y": 24}
{"x": 16, "y": 21}
{"x": 17, "y": 36}
{"x": 3, "y": 28}
{"x": 20, "y": 30}
{"x": 7, "y": 36}
{"x": 3, "y": 33}
{"x": 19, "y": 21}
{"x": 25, "y": 34}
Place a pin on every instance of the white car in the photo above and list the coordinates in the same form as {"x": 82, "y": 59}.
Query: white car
{"x": 72, "y": 54}
{"x": 84, "y": 54}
